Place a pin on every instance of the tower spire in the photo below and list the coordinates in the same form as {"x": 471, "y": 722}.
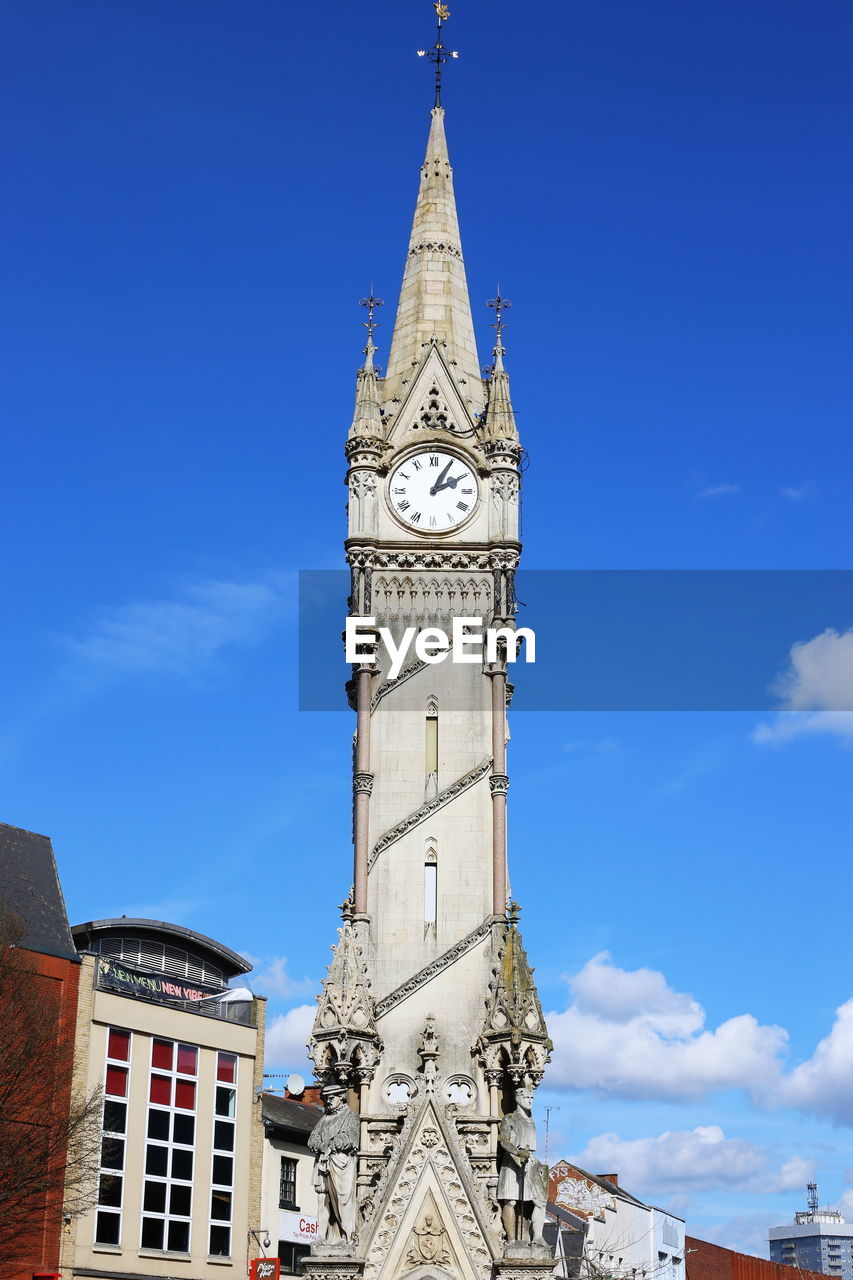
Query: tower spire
{"x": 434, "y": 300}
{"x": 499, "y": 419}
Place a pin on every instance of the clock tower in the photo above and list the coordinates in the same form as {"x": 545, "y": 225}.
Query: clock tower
{"x": 429, "y": 1018}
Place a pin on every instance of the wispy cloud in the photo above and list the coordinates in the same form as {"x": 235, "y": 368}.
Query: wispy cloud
{"x": 725, "y": 489}
{"x": 816, "y": 691}
{"x": 179, "y": 635}
{"x": 286, "y": 1038}
{"x": 270, "y": 978}
{"x": 799, "y": 493}
{"x": 690, "y": 1160}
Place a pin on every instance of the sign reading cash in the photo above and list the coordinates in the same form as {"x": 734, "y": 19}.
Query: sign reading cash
{"x": 117, "y": 976}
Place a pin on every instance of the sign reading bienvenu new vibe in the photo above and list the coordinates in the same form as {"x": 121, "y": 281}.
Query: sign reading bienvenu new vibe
{"x": 153, "y": 986}
{"x": 469, "y": 642}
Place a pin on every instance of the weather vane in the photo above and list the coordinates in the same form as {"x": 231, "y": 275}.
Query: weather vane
{"x": 370, "y": 324}
{"x": 499, "y": 305}
{"x": 438, "y": 54}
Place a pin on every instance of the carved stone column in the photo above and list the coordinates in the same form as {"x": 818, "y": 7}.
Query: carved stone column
{"x": 499, "y": 782}
{"x": 362, "y": 787}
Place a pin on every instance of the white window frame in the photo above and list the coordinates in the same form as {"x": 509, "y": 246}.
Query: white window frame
{"x": 168, "y": 1181}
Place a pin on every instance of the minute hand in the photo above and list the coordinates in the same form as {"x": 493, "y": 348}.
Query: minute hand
{"x": 440, "y": 484}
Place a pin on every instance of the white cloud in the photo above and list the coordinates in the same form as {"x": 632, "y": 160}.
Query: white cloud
{"x": 176, "y": 636}
{"x": 816, "y": 690}
{"x": 691, "y": 1160}
{"x": 286, "y": 1038}
{"x": 823, "y": 1085}
{"x": 629, "y": 1034}
{"x": 800, "y": 492}
{"x": 746, "y": 1233}
{"x": 723, "y": 490}
{"x": 270, "y": 978}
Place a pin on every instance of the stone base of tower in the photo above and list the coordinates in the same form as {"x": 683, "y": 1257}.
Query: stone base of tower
{"x": 331, "y": 1266}
{"x": 536, "y": 1264}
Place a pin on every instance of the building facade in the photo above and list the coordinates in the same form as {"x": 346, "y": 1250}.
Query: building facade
{"x": 39, "y": 974}
{"x": 289, "y": 1198}
{"x": 179, "y": 1057}
{"x": 712, "y": 1262}
{"x": 624, "y": 1236}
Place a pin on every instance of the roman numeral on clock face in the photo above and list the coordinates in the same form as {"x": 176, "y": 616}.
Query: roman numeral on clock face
{"x": 433, "y": 490}
{"x": 415, "y": 517}
{"x": 462, "y": 506}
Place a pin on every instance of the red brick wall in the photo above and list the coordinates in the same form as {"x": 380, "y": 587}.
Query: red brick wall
{"x": 59, "y": 979}
{"x": 706, "y": 1261}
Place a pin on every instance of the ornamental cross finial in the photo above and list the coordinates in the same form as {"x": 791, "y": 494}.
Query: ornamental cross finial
{"x": 371, "y": 303}
{"x": 438, "y": 54}
{"x": 499, "y": 305}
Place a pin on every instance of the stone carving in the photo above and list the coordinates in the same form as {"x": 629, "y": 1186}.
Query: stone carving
{"x": 514, "y": 1039}
{"x": 522, "y": 1179}
{"x": 499, "y": 783}
{"x": 430, "y": 970}
{"x": 427, "y": 810}
{"x": 431, "y": 599}
{"x": 387, "y": 685}
{"x": 362, "y": 557}
{"x": 345, "y": 1044}
{"x": 335, "y": 1142}
{"x": 428, "y": 1051}
{"x": 504, "y": 486}
{"x": 436, "y": 246}
{"x": 428, "y": 1243}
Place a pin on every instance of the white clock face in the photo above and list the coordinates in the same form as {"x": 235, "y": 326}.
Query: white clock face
{"x": 432, "y": 491}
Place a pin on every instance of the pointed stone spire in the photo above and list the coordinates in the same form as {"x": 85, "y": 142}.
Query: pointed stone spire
{"x": 499, "y": 420}
{"x": 345, "y": 1043}
{"x": 434, "y": 299}
{"x": 514, "y": 1042}
{"x": 367, "y": 418}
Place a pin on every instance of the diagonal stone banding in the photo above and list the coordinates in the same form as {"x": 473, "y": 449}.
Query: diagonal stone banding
{"x": 425, "y": 811}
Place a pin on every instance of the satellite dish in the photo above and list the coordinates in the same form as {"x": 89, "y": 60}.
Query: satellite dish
{"x": 295, "y": 1084}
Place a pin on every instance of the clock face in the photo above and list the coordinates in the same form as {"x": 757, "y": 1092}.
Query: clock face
{"x": 432, "y": 491}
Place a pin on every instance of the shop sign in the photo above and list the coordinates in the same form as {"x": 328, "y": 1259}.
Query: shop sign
{"x": 115, "y": 975}
{"x": 297, "y": 1228}
{"x": 264, "y": 1268}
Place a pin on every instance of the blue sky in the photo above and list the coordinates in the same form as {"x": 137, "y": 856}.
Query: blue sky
{"x": 197, "y": 196}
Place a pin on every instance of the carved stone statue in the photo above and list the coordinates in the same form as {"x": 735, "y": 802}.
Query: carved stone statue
{"x": 335, "y": 1142}
{"x": 428, "y": 1244}
{"x": 522, "y": 1179}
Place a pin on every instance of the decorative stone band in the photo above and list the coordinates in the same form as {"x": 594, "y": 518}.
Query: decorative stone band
{"x": 363, "y": 782}
{"x": 331, "y": 1267}
{"x": 436, "y": 246}
{"x": 434, "y": 967}
{"x": 499, "y": 784}
{"x": 427, "y": 810}
{"x": 388, "y": 686}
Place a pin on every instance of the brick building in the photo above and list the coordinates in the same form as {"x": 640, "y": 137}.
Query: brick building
{"x": 712, "y": 1262}
{"x": 38, "y": 1003}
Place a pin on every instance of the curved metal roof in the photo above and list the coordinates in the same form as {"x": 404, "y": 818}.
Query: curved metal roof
{"x": 177, "y": 932}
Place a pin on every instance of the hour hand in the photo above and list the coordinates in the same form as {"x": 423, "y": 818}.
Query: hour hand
{"x": 440, "y": 482}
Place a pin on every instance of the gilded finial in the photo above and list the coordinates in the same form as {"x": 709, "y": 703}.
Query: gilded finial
{"x": 439, "y": 54}
{"x": 499, "y": 305}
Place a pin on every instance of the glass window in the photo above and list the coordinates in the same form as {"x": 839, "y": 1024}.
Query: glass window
{"x": 225, "y": 1100}
{"x": 179, "y": 1237}
{"x": 223, "y": 1171}
{"x": 220, "y": 1241}
{"x": 180, "y": 1200}
{"x": 116, "y": 1082}
{"x": 183, "y": 1130}
{"x": 185, "y": 1094}
{"x": 152, "y": 1233}
{"x": 156, "y": 1161}
{"x": 226, "y": 1068}
{"x": 115, "y": 1116}
{"x": 162, "y": 1055}
{"x": 118, "y": 1045}
{"x": 154, "y": 1198}
{"x": 223, "y": 1135}
{"x": 187, "y": 1060}
{"x": 112, "y": 1153}
{"x": 107, "y": 1228}
{"x": 182, "y": 1165}
{"x": 220, "y": 1205}
{"x": 158, "y": 1125}
{"x": 109, "y": 1190}
{"x": 161, "y": 1091}
{"x": 287, "y": 1184}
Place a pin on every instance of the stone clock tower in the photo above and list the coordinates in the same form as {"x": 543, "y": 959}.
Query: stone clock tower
{"x": 429, "y": 1026}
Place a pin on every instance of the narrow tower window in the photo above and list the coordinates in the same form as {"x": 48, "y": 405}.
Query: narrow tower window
{"x": 431, "y": 759}
{"x": 430, "y": 887}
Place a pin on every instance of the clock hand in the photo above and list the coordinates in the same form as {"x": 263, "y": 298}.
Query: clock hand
{"x": 439, "y": 484}
{"x": 450, "y": 483}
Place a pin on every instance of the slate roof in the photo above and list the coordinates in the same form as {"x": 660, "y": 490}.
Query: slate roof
{"x": 29, "y": 885}
{"x": 295, "y": 1119}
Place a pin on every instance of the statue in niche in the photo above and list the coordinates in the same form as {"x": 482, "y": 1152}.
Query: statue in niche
{"x": 522, "y": 1179}
{"x": 335, "y": 1142}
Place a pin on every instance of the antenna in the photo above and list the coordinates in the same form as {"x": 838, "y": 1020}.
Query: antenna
{"x": 548, "y": 1111}
{"x": 812, "y": 1200}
